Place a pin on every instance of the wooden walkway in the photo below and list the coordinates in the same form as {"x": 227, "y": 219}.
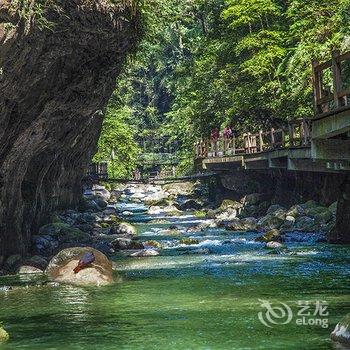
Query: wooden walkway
{"x": 321, "y": 144}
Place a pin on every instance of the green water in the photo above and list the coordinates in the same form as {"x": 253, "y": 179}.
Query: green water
{"x": 186, "y": 301}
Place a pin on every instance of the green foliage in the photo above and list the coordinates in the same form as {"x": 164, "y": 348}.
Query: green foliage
{"x": 116, "y": 144}
{"x": 206, "y": 63}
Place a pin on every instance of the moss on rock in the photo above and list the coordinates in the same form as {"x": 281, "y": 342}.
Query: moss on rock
{"x": 4, "y": 336}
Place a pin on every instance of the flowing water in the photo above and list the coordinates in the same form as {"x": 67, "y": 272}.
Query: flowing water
{"x": 202, "y": 296}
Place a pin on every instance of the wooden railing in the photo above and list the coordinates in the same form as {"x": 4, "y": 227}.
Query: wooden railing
{"x": 98, "y": 171}
{"x": 297, "y": 134}
{"x": 330, "y": 98}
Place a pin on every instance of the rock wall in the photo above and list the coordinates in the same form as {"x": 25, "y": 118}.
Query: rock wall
{"x": 58, "y": 65}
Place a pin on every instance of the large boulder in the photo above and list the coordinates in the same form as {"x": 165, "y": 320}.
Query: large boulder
{"x": 270, "y": 221}
{"x": 341, "y": 332}
{"x": 60, "y": 268}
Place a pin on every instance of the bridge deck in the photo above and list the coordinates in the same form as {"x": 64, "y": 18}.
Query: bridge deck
{"x": 321, "y": 144}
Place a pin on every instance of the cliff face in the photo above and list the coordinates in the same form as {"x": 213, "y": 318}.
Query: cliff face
{"x": 58, "y": 64}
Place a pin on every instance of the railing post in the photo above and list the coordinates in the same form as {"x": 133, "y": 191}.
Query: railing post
{"x": 261, "y": 141}
{"x": 234, "y": 144}
{"x": 317, "y": 84}
{"x": 337, "y": 84}
{"x": 283, "y": 142}
{"x": 291, "y": 134}
{"x": 272, "y": 138}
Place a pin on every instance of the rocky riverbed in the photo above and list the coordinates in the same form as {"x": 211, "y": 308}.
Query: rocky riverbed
{"x": 178, "y": 252}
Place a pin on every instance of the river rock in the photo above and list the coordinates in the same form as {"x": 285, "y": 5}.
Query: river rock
{"x": 126, "y": 244}
{"x": 153, "y": 244}
{"x": 4, "y": 336}
{"x": 60, "y": 268}
{"x": 306, "y": 224}
{"x": 101, "y": 192}
{"x": 277, "y": 210}
{"x": 12, "y": 263}
{"x": 274, "y": 245}
{"x": 341, "y": 332}
{"x": 124, "y": 228}
{"x": 272, "y": 235}
{"x": 36, "y": 261}
{"x": 228, "y": 203}
{"x": 271, "y": 221}
{"x": 246, "y": 224}
{"x": 24, "y": 269}
{"x": 252, "y": 199}
{"x": 227, "y": 215}
{"x": 154, "y": 210}
{"x": 44, "y": 245}
{"x": 190, "y": 204}
{"x": 145, "y": 253}
{"x": 296, "y": 211}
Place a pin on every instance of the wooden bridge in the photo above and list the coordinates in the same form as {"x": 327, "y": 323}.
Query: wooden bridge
{"x": 320, "y": 144}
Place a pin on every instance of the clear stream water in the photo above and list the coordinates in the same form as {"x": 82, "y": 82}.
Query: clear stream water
{"x": 205, "y": 296}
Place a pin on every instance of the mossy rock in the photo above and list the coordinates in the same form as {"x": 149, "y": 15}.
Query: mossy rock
{"x": 153, "y": 243}
{"x": 4, "y": 336}
{"x": 270, "y": 222}
{"x": 341, "y": 332}
{"x": 270, "y": 236}
{"x": 54, "y": 229}
{"x": 74, "y": 235}
{"x": 189, "y": 241}
{"x": 200, "y": 214}
{"x": 228, "y": 203}
{"x": 105, "y": 224}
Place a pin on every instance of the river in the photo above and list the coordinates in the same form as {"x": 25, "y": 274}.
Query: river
{"x": 202, "y": 296}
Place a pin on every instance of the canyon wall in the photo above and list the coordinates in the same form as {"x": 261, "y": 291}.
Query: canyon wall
{"x": 58, "y": 65}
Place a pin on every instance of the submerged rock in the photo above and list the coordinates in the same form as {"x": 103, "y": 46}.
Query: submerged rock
{"x": 145, "y": 253}
{"x": 341, "y": 332}
{"x": 60, "y": 268}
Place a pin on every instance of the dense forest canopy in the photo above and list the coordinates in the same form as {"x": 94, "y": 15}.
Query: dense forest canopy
{"x": 205, "y": 63}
